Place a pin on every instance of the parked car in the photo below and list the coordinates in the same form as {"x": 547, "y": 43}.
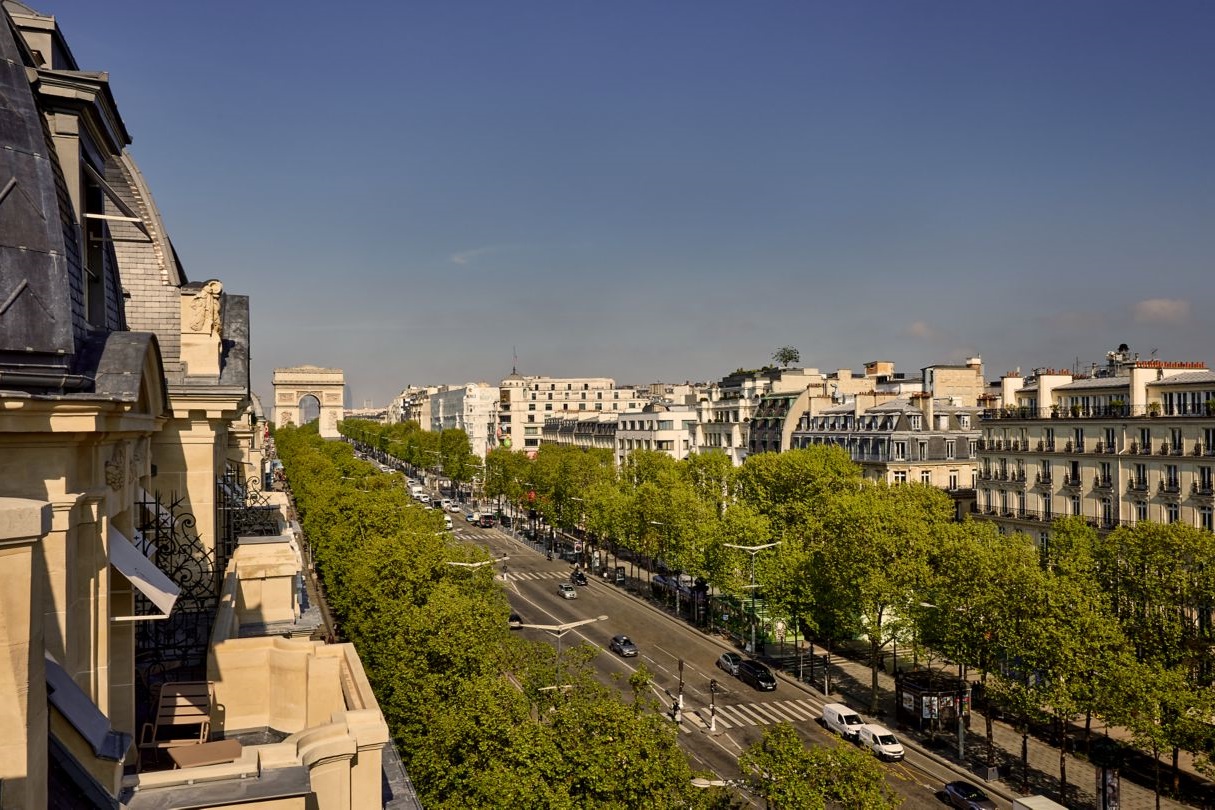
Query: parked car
{"x": 843, "y": 721}
{"x": 623, "y": 646}
{"x": 578, "y": 577}
{"x": 966, "y": 796}
{"x": 881, "y": 741}
{"x": 514, "y": 621}
{"x": 567, "y": 591}
{"x": 757, "y": 676}
{"x": 729, "y": 662}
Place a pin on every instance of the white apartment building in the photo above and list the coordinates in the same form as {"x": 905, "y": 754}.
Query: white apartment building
{"x": 472, "y": 407}
{"x": 1129, "y": 442}
{"x": 666, "y": 428}
{"x": 412, "y": 404}
{"x": 526, "y": 402}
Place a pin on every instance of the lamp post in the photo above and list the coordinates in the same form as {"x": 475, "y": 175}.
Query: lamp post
{"x": 559, "y": 631}
{"x": 753, "y": 550}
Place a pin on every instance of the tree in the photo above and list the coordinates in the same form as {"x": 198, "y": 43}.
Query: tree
{"x": 790, "y": 776}
{"x": 786, "y": 356}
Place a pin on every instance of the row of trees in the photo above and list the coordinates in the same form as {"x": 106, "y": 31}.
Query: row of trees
{"x": 471, "y": 705}
{"x": 446, "y": 450}
{"x": 1116, "y": 627}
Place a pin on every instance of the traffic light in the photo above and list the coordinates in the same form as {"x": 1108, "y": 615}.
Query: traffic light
{"x": 713, "y": 686}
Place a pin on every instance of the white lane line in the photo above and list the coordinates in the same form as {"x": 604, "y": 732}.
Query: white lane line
{"x": 796, "y": 712}
{"x": 809, "y": 707}
{"x": 763, "y": 710}
{"x": 736, "y": 717}
{"x": 781, "y": 714}
{"x": 747, "y": 711}
{"x": 721, "y": 721}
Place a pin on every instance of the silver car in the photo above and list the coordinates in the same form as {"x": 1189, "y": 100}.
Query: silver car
{"x": 623, "y": 646}
{"x": 729, "y": 662}
{"x": 567, "y": 591}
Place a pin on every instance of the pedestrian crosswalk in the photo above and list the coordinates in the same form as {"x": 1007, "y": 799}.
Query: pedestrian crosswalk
{"x": 522, "y": 576}
{"x": 758, "y": 714}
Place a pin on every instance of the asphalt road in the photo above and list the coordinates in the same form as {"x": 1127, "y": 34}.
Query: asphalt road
{"x": 741, "y": 712}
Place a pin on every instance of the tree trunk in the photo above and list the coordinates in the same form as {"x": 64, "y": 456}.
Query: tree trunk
{"x": 991, "y": 742}
{"x": 1156, "y": 773}
{"x": 1176, "y": 771}
{"x": 1088, "y": 733}
{"x": 1063, "y": 765}
{"x": 827, "y": 671}
{"x": 874, "y": 650}
{"x": 1025, "y": 754}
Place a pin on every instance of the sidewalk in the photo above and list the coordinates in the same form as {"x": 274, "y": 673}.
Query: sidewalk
{"x": 850, "y": 683}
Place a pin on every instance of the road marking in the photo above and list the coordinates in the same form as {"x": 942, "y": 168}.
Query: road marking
{"x": 765, "y": 710}
{"x": 744, "y": 712}
{"x": 721, "y": 721}
{"x": 784, "y": 712}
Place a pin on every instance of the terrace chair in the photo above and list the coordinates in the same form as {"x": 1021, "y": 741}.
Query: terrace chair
{"x": 183, "y": 716}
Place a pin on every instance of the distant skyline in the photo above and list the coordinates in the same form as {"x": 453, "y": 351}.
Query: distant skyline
{"x": 669, "y": 191}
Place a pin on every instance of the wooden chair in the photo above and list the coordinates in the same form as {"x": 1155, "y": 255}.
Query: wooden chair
{"x": 183, "y": 716}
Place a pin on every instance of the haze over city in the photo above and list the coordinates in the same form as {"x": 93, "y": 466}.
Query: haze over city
{"x": 414, "y": 192}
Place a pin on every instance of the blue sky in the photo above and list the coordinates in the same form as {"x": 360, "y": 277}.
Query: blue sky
{"x": 411, "y": 191}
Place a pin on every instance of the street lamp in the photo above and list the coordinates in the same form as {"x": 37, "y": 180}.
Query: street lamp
{"x": 478, "y": 564}
{"x": 753, "y": 550}
{"x": 559, "y": 631}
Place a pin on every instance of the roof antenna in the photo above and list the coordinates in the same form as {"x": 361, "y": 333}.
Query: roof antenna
{"x": 514, "y": 365}
{"x": 1154, "y": 353}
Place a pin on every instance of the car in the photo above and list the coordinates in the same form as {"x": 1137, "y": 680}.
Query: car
{"x": 756, "y": 675}
{"x": 471, "y": 517}
{"x": 453, "y": 507}
{"x": 729, "y": 662}
{"x": 966, "y": 796}
{"x": 881, "y": 741}
{"x": 623, "y": 646}
{"x": 445, "y": 504}
{"x": 424, "y": 498}
{"x": 577, "y": 577}
{"x": 842, "y": 720}
{"x": 486, "y": 521}
{"x": 514, "y": 621}
{"x": 447, "y": 522}
{"x": 567, "y": 591}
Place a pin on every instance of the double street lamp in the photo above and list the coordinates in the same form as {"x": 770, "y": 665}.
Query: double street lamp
{"x": 753, "y": 550}
{"x": 559, "y": 631}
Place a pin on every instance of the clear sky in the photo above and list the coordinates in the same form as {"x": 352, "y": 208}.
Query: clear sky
{"x": 658, "y": 190}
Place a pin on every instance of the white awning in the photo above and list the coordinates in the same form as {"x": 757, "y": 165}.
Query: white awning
{"x": 144, "y": 575}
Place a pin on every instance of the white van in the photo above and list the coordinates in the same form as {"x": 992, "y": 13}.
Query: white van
{"x": 447, "y": 522}
{"x": 416, "y": 490}
{"x": 843, "y": 721}
{"x": 881, "y": 741}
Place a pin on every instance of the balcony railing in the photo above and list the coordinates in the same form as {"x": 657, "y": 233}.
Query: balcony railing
{"x": 1103, "y": 482}
{"x": 1169, "y": 486}
{"x": 1042, "y": 478}
{"x": 1071, "y": 481}
{"x": 1202, "y": 489}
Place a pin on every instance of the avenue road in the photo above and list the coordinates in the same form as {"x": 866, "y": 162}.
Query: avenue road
{"x": 531, "y": 583}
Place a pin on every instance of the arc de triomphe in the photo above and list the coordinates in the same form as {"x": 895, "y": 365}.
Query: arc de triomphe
{"x": 291, "y": 385}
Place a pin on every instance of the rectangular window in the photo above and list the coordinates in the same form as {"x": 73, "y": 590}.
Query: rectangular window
{"x": 973, "y": 447}
{"x": 1141, "y": 511}
{"x": 925, "y": 476}
{"x": 953, "y": 480}
{"x": 1205, "y": 518}
{"x": 1075, "y": 506}
{"x": 950, "y": 448}
{"x": 1110, "y": 445}
{"x": 1172, "y": 512}
{"x": 923, "y": 450}
{"x": 1047, "y": 507}
{"x": 900, "y": 451}
{"x": 900, "y": 477}
{"x": 531, "y": 431}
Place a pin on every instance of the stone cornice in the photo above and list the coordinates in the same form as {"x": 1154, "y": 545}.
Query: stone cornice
{"x": 87, "y": 95}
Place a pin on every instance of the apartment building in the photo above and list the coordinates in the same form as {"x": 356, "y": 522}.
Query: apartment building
{"x": 666, "y": 428}
{"x": 472, "y": 408}
{"x": 899, "y": 435}
{"x": 137, "y": 551}
{"x": 1128, "y": 442}
{"x": 525, "y": 403}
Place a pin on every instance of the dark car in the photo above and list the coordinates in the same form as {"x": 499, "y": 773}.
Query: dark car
{"x": 966, "y": 796}
{"x": 623, "y": 646}
{"x": 514, "y": 621}
{"x": 486, "y": 522}
{"x": 756, "y": 675}
{"x": 578, "y": 577}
